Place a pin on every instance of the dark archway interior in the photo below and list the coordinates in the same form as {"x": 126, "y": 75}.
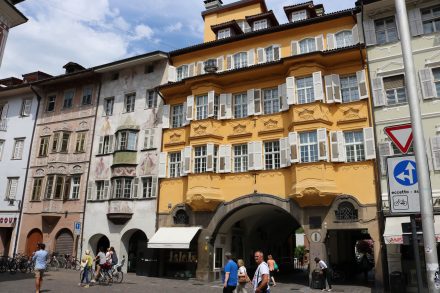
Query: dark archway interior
{"x": 137, "y": 249}
{"x": 104, "y": 243}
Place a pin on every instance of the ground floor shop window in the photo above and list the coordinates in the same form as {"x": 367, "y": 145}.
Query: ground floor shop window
{"x": 181, "y": 263}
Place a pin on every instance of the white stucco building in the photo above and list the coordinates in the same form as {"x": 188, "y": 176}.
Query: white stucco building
{"x": 122, "y": 190}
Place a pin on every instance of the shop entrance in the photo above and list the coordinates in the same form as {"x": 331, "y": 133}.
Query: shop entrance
{"x": 102, "y": 242}
{"x": 136, "y": 248}
{"x": 264, "y": 227}
{"x": 64, "y": 242}
{"x": 34, "y": 237}
{"x": 350, "y": 255}
{"x": 5, "y": 240}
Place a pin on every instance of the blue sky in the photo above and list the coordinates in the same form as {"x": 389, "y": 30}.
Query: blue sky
{"x": 94, "y": 32}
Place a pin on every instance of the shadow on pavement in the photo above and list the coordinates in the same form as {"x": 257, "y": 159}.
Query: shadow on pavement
{"x": 8, "y": 277}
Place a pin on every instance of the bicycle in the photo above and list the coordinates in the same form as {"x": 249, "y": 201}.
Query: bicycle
{"x": 53, "y": 264}
{"x": 72, "y": 263}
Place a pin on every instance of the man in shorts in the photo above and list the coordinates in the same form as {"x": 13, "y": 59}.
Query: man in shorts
{"x": 40, "y": 259}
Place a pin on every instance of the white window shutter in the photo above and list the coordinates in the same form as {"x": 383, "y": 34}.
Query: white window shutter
{"x": 210, "y": 157}
{"x": 251, "y": 57}
{"x": 370, "y": 148}
{"x": 220, "y": 64}
{"x": 185, "y": 118}
{"x": 147, "y": 135}
{"x": 261, "y": 56}
{"x": 378, "y": 92}
{"x": 190, "y": 108}
{"x": 250, "y": 146}
{"x": 250, "y": 102}
{"x": 228, "y": 62}
{"x": 221, "y": 159}
{"x": 317, "y": 86}
{"x": 135, "y": 189}
{"x": 211, "y": 98}
{"x": 427, "y": 83}
{"x": 370, "y": 32}
{"x": 154, "y": 188}
{"x": 111, "y": 143}
{"x": 13, "y": 183}
{"x": 282, "y": 92}
{"x": 90, "y": 186}
{"x": 328, "y": 79}
{"x": 334, "y": 146}
{"x": 294, "y": 147}
{"x": 294, "y": 50}
{"x": 331, "y": 43}
{"x": 5, "y": 111}
{"x": 319, "y": 43}
{"x": 337, "y": 88}
{"x": 200, "y": 68}
{"x": 166, "y": 116}
{"x": 228, "y": 106}
{"x": 258, "y": 155}
{"x": 222, "y": 105}
{"x": 27, "y": 106}
{"x": 163, "y": 165}
{"x": 228, "y": 152}
{"x": 385, "y": 150}
{"x": 187, "y": 160}
{"x": 284, "y": 152}
{"x": 435, "y": 152}
{"x": 415, "y": 22}
{"x": 182, "y": 163}
{"x": 258, "y": 109}
{"x": 191, "y": 69}
{"x": 322, "y": 144}
{"x": 152, "y": 138}
{"x": 172, "y": 73}
{"x": 355, "y": 34}
{"x": 362, "y": 84}
{"x": 290, "y": 90}
{"x": 106, "y": 194}
{"x": 101, "y": 145}
{"x": 277, "y": 52}
{"x": 341, "y": 146}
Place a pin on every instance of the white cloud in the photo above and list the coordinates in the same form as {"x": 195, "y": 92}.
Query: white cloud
{"x": 142, "y": 32}
{"x": 177, "y": 27}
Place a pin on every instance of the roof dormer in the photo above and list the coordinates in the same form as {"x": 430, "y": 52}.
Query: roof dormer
{"x": 226, "y": 30}
{"x": 303, "y": 11}
{"x": 262, "y": 20}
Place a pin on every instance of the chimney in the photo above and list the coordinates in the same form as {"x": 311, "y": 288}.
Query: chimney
{"x": 72, "y": 67}
{"x": 211, "y": 4}
{"x": 35, "y": 76}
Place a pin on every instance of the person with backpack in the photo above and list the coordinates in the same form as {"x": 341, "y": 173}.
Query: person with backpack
{"x": 273, "y": 267}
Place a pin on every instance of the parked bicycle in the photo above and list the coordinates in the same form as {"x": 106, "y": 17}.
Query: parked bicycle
{"x": 53, "y": 264}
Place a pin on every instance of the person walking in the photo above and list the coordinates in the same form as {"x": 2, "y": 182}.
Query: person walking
{"x": 100, "y": 262}
{"x": 324, "y": 269}
{"x": 260, "y": 281}
{"x": 86, "y": 264}
{"x": 40, "y": 259}
{"x": 114, "y": 256}
{"x": 231, "y": 274}
{"x": 272, "y": 268}
{"x": 243, "y": 277}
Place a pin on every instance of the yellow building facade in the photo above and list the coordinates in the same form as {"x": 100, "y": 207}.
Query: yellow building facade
{"x": 269, "y": 130}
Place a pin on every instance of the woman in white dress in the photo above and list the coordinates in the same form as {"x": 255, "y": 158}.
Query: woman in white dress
{"x": 243, "y": 277}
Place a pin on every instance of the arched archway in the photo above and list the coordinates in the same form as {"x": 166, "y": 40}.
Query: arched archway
{"x": 135, "y": 247}
{"x": 35, "y": 236}
{"x": 97, "y": 241}
{"x": 64, "y": 242}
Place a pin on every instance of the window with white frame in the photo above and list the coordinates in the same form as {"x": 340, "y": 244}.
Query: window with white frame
{"x": 49, "y": 186}
{"x": 308, "y": 142}
{"x": 216, "y": 102}
{"x": 105, "y": 145}
{"x": 60, "y": 142}
{"x": 307, "y": 46}
{"x": 240, "y": 105}
{"x": 272, "y": 154}
{"x": 80, "y": 145}
{"x": 87, "y": 96}
{"x": 149, "y": 135}
{"x": 431, "y": 19}
{"x": 44, "y": 146}
{"x": 151, "y": 101}
{"x": 174, "y": 164}
{"x": 50, "y": 106}
{"x": 240, "y": 158}
{"x": 122, "y": 187}
{"x": 260, "y": 24}
{"x": 304, "y": 90}
{"x": 343, "y": 39}
{"x": 37, "y": 188}
{"x": 11, "y": 189}
{"x": 243, "y": 24}
{"x": 129, "y": 102}
{"x": 436, "y": 75}
{"x": 2, "y": 146}
{"x": 101, "y": 190}
{"x": 58, "y": 187}
{"x": 75, "y": 182}
{"x": 224, "y": 33}
{"x": 68, "y": 99}
{"x": 240, "y": 60}
{"x": 148, "y": 187}
{"x": 177, "y": 115}
{"x": 200, "y": 158}
{"x": 108, "y": 106}
{"x": 182, "y": 72}
{"x": 354, "y": 146}
{"x": 202, "y": 107}
{"x": 349, "y": 88}
{"x": 126, "y": 140}
{"x": 395, "y": 89}
{"x": 386, "y": 30}
{"x": 272, "y": 53}
{"x": 271, "y": 101}
{"x": 18, "y": 149}
{"x": 299, "y": 15}
{"x": 26, "y": 107}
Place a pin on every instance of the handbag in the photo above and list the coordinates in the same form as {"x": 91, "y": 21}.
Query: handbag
{"x": 275, "y": 266}
{"x": 242, "y": 279}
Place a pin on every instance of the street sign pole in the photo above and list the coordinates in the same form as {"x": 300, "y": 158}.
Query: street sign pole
{"x": 420, "y": 152}
{"x": 415, "y": 244}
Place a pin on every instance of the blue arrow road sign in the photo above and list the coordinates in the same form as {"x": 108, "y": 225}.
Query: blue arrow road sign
{"x": 405, "y": 173}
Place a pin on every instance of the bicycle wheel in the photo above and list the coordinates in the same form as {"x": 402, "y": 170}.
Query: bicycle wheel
{"x": 76, "y": 265}
{"x": 118, "y": 277}
{"x": 13, "y": 266}
{"x": 23, "y": 266}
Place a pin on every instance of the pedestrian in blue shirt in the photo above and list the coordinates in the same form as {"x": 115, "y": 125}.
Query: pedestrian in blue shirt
{"x": 231, "y": 274}
{"x": 40, "y": 259}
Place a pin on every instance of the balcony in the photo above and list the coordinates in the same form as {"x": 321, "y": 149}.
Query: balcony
{"x": 3, "y": 124}
{"x": 52, "y": 211}
{"x": 119, "y": 211}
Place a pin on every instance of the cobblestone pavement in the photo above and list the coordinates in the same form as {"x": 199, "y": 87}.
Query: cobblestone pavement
{"x": 67, "y": 281}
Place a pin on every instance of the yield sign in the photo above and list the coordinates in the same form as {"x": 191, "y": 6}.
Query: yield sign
{"x": 401, "y": 135}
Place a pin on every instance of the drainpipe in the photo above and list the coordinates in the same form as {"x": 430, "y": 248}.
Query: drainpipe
{"x": 158, "y": 184}
{"x": 377, "y": 175}
{"x": 88, "y": 169}
{"x": 27, "y": 170}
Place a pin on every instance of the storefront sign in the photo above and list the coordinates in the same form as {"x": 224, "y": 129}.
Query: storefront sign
{"x": 403, "y": 186}
{"x": 7, "y": 221}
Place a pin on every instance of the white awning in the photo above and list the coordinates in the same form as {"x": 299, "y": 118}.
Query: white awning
{"x": 393, "y": 229}
{"x": 173, "y": 237}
